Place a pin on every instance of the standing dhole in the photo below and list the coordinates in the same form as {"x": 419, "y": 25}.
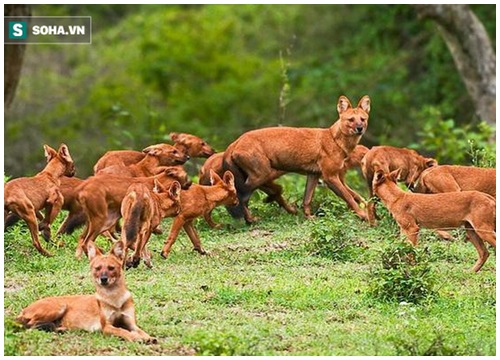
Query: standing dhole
{"x": 198, "y": 201}
{"x": 260, "y": 156}
{"x": 26, "y": 196}
{"x": 473, "y": 209}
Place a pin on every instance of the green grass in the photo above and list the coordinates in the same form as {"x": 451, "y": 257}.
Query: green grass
{"x": 264, "y": 290}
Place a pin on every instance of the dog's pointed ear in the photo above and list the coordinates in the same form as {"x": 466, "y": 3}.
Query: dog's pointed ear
{"x": 343, "y": 104}
{"x": 175, "y": 190}
{"x": 364, "y": 103}
{"x": 153, "y": 150}
{"x": 379, "y": 177}
{"x": 430, "y": 162}
{"x": 214, "y": 178}
{"x": 158, "y": 187}
{"x": 178, "y": 137}
{"x": 118, "y": 250}
{"x": 92, "y": 251}
{"x": 394, "y": 176}
{"x": 49, "y": 152}
{"x": 64, "y": 153}
{"x": 228, "y": 178}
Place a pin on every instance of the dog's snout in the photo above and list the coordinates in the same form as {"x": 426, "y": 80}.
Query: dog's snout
{"x": 103, "y": 279}
{"x": 359, "y": 129}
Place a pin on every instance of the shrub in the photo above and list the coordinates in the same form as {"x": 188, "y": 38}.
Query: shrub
{"x": 404, "y": 275}
{"x": 334, "y": 234}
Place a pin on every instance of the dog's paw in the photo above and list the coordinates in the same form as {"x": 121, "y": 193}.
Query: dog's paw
{"x": 151, "y": 341}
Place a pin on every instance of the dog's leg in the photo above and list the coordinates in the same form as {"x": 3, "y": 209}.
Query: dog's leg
{"x": 312, "y": 182}
{"x": 193, "y": 236}
{"x": 482, "y": 252}
{"x": 445, "y": 235}
{"x": 334, "y": 183}
{"x": 208, "y": 218}
{"x": 410, "y": 229}
{"x": 275, "y": 193}
{"x": 27, "y": 212}
{"x": 43, "y": 314}
{"x": 174, "y": 232}
{"x": 53, "y": 207}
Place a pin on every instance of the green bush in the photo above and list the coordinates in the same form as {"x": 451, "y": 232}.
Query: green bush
{"x": 331, "y": 237}
{"x": 404, "y": 275}
{"x": 451, "y": 143}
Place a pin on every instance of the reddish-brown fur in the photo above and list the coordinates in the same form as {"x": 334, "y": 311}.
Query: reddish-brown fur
{"x": 260, "y": 156}
{"x": 389, "y": 158}
{"x": 449, "y": 178}
{"x": 473, "y": 209}
{"x": 192, "y": 145}
{"x": 186, "y": 144}
{"x": 110, "y": 310}
{"x": 214, "y": 163}
{"x": 198, "y": 201}
{"x": 101, "y": 198}
{"x": 26, "y": 196}
{"x": 142, "y": 210}
{"x": 155, "y": 158}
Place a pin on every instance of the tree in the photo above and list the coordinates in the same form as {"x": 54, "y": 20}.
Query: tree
{"x": 14, "y": 55}
{"x": 472, "y": 52}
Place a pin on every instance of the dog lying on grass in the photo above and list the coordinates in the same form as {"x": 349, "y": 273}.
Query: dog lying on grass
{"x": 110, "y": 310}
{"x": 473, "y": 209}
{"x": 26, "y": 196}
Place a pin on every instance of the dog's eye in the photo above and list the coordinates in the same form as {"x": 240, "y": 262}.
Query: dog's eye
{"x": 111, "y": 268}
{"x": 363, "y": 119}
{"x": 351, "y": 119}
{"x": 99, "y": 267}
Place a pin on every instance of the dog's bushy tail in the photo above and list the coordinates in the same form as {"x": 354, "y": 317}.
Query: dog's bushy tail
{"x": 74, "y": 222}
{"x": 10, "y": 220}
{"x": 237, "y": 211}
{"x": 132, "y": 222}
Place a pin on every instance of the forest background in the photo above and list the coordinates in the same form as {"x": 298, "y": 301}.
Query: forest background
{"x": 220, "y": 70}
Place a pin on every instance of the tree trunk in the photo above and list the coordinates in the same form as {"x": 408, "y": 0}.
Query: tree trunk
{"x": 472, "y": 52}
{"x": 14, "y": 55}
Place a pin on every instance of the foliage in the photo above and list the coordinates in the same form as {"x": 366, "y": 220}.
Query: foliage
{"x": 334, "y": 235}
{"x": 260, "y": 291}
{"x": 405, "y": 275}
{"x": 450, "y": 143}
{"x": 219, "y": 70}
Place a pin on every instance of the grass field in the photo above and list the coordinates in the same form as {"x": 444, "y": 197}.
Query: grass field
{"x": 283, "y": 286}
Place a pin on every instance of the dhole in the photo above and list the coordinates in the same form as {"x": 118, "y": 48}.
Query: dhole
{"x": 26, "y": 196}
{"x": 200, "y": 200}
{"x": 214, "y": 163}
{"x": 101, "y": 197}
{"x": 187, "y": 144}
{"x": 155, "y": 156}
{"x": 192, "y": 145}
{"x": 389, "y": 158}
{"x": 110, "y": 309}
{"x": 448, "y": 178}
{"x": 260, "y": 156}
{"x": 473, "y": 209}
{"x": 142, "y": 210}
